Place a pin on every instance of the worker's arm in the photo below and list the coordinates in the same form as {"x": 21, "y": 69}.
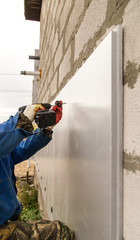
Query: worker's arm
{"x": 33, "y": 144}
{"x": 30, "y": 146}
{"x": 10, "y": 136}
{"x": 16, "y": 128}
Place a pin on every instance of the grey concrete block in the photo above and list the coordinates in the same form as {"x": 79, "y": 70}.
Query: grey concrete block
{"x": 59, "y": 54}
{"x": 64, "y": 15}
{"x": 54, "y": 85}
{"x": 59, "y": 9}
{"x": 55, "y": 42}
{"x": 94, "y": 17}
{"x": 131, "y": 23}
{"x": 65, "y": 65}
{"x": 73, "y": 20}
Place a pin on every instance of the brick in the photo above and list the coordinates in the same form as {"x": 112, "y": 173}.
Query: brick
{"x": 65, "y": 66}
{"x": 73, "y": 20}
{"x": 64, "y": 15}
{"x": 59, "y": 54}
{"x": 91, "y": 23}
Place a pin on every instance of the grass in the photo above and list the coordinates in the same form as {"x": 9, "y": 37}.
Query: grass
{"x": 28, "y": 197}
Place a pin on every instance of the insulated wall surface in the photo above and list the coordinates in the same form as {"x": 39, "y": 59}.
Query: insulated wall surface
{"x": 80, "y": 170}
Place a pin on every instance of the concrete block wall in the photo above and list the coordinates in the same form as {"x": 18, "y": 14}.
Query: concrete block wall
{"x": 70, "y": 30}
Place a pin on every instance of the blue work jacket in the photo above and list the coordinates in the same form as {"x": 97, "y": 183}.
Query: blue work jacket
{"x": 13, "y": 150}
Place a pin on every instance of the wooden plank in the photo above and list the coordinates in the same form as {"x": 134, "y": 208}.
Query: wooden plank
{"x": 32, "y": 9}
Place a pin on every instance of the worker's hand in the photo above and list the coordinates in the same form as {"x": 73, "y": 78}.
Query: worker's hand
{"x": 57, "y": 108}
{"x": 31, "y": 110}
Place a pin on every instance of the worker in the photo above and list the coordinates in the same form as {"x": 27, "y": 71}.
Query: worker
{"x": 18, "y": 142}
{"x": 14, "y": 149}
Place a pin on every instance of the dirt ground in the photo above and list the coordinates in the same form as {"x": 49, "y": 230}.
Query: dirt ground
{"x": 21, "y": 169}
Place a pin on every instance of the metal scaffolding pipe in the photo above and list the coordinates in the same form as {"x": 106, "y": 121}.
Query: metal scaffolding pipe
{"x": 35, "y": 73}
{"x": 34, "y": 57}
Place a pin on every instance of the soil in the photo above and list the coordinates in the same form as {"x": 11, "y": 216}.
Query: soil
{"x": 21, "y": 169}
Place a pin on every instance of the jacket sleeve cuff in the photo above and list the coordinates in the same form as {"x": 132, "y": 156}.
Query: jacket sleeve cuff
{"x": 47, "y": 133}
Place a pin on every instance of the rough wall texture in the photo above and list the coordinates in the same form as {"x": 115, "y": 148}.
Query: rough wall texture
{"x": 70, "y": 31}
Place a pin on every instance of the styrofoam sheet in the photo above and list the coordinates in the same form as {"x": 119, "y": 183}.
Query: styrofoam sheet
{"x": 80, "y": 171}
